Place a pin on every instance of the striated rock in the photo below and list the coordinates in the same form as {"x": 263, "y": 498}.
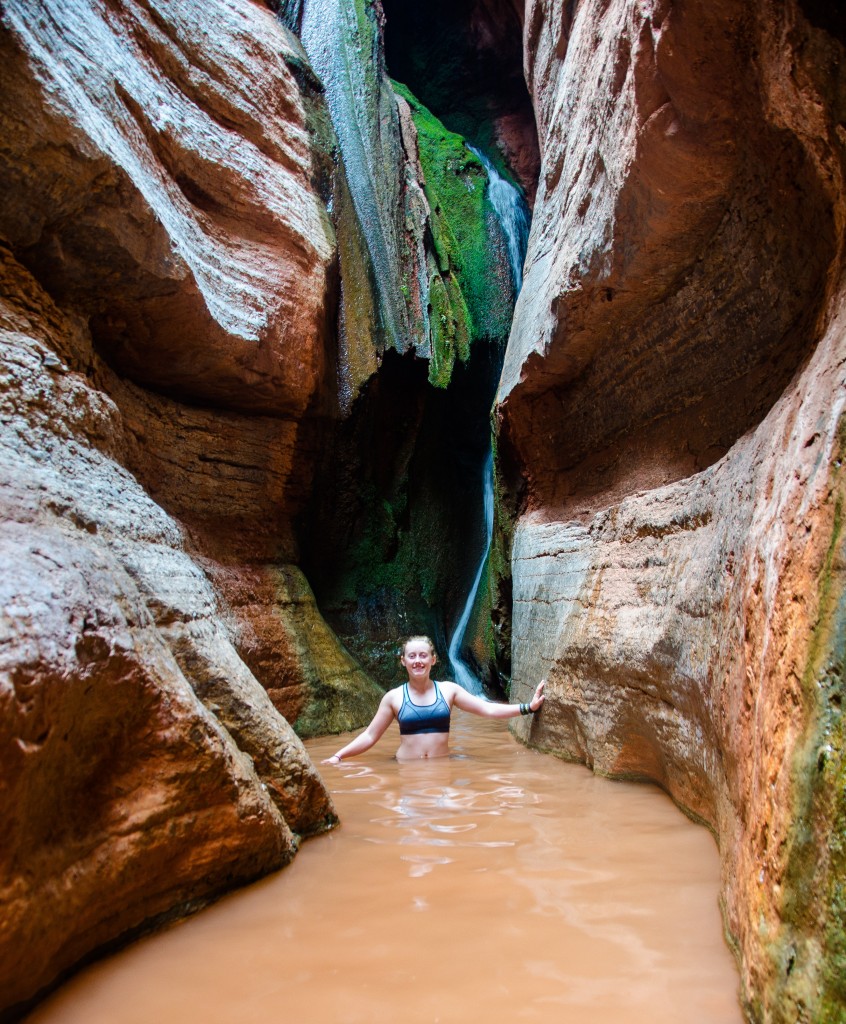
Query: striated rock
{"x": 159, "y": 177}
{"x": 235, "y": 482}
{"x": 146, "y": 769}
{"x": 282, "y": 637}
{"x": 164, "y": 201}
{"x": 686, "y": 633}
{"x": 671, "y": 430}
{"x": 124, "y": 799}
{"x": 679, "y": 254}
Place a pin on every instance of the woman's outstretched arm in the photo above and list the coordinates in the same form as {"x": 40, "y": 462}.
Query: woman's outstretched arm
{"x": 491, "y": 709}
{"x": 372, "y": 734}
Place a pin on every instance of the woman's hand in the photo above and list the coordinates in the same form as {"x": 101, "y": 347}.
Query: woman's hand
{"x": 334, "y": 759}
{"x": 538, "y": 699}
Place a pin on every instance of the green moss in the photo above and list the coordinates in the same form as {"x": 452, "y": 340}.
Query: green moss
{"x": 442, "y": 327}
{"x": 470, "y": 294}
{"x": 365, "y": 44}
{"x": 434, "y": 50}
{"x": 391, "y": 553}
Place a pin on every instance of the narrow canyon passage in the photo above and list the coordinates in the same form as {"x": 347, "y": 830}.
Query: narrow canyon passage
{"x": 260, "y": 327}
{"x": 500, "y": 884}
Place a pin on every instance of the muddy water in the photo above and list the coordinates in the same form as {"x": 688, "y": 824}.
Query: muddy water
{"x": 496, "y": 885}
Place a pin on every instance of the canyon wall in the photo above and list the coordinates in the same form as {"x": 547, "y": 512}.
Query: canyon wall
{"x": 671, "y": 443}
{"x": 168, "y": 267}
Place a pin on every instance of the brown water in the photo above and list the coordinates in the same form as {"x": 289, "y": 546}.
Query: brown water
{"x": 497, "y": 885}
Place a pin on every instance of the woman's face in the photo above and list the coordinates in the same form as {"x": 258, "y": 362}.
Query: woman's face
{"x": 417, "y": 659}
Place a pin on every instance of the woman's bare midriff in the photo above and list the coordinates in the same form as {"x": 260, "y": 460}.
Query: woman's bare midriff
{"x": 427, "y": 744}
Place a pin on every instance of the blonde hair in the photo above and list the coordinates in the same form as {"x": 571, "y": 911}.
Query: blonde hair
{"x": 416, "y": 636}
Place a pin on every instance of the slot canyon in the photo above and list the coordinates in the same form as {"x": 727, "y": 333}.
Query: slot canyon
{"x": 279, "y": 280}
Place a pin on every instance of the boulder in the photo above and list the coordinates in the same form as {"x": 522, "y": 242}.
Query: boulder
{"x": 158, "y": 176}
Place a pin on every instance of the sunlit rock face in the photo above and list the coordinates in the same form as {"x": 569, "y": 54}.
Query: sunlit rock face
{"x": 670, "y": 429}
{"x": 167, "y": 280}
{"x": 157, "y": 174}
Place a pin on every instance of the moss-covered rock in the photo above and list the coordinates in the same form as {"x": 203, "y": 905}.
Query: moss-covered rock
{"x": 464, "y": 61}
{"x": 337, "y": 695}
{"x": 470, "y": 291}
{"x": 280, "y": 634}
{"x": 424, "y": 272}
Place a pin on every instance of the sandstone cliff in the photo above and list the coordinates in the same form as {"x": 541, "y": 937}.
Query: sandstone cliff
{"x": 670, "y": 431}
{"x": 166, "y": 274}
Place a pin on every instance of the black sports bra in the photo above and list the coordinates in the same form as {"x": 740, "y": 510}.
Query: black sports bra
{"x": 417, "y": 718}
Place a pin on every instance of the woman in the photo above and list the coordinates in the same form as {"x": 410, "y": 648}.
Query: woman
{"x": 422, "y": 707}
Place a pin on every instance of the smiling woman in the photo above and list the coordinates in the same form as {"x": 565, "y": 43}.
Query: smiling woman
{"x": 423, "y": 707}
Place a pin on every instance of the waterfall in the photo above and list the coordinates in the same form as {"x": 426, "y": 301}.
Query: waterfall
{"x": 463, "y": 676}
{"x": 514, "y": 219}
{"x": 513, "y": 215}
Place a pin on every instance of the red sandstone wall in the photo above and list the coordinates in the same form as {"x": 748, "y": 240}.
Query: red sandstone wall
{"x": 672, "y": 398}
{"x": 167, "y": 267}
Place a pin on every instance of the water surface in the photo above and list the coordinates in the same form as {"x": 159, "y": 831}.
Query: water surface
{"x": 497, "y": 885}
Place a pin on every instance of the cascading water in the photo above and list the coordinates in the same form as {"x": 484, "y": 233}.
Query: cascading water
{"x": 513, "y": 215}
{"x": 463, "y": 676}
{"x": 514, "y": 218}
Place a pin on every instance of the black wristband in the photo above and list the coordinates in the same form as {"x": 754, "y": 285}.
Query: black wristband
{"x": 526, "y": 709}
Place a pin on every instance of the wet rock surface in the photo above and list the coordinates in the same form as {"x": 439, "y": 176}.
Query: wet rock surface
{"x": 146, "y": 768}
{"x": 677, "y": 562}
{"x": 161, "y": 228}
